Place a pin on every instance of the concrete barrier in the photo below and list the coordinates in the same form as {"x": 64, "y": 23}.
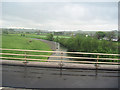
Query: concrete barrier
{"x": 58, "y": 65}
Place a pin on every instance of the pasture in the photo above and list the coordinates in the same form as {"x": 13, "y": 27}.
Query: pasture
{"x": 18, "y": 42}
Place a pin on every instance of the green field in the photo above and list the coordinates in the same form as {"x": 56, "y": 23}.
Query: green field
{"x": 39, "y": 36}
{"x": 18, "y": 42}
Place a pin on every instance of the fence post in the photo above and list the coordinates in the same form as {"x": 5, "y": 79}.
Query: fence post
{"x": 61, "y": 62}
{"x": 25, "y": 62}
{"x": 97, "y": 62}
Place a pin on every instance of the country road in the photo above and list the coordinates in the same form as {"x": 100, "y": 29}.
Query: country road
{"x": 52, "y": 44}
{"x": 55, "y": 47}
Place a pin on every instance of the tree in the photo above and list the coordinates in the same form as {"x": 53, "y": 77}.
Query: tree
{"x": 27, "y": 32}
{"x": 57, "y": 39}
{"x": 100, "y": 35}
{"x": 110, "y": 35}
{"x": 4, "y": 31}
{"x": 50, "y": 37}
{"x": 11, "y": 30}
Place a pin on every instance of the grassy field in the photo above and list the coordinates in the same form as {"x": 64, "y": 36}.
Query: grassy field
{"x": 18, "y": 42}
{"x": 35, "y": 36}
{"x": 39, "y": 36}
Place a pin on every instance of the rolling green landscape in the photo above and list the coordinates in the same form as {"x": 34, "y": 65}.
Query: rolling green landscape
{"x": 73, "y": 43}
{"x": 18, "y": 42}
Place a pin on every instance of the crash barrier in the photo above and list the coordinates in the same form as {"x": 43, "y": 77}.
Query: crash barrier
{"x": 87, "y": 60}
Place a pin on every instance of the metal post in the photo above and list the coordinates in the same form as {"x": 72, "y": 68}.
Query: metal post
{"x": 25, "y": 57}
{"x": 61, "y": 64}
{"x": 96, "y": 72}
{"x": 97, "y": 62}
{"x": 25, "y": 62}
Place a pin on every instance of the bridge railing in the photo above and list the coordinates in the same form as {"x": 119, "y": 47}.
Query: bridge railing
{"x": 97, "y": 59}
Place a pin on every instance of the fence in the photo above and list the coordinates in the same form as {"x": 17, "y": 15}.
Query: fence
{"x": 61, "y": 61}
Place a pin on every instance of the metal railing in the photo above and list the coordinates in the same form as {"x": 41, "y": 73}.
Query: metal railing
{"x": 97, "y": 59}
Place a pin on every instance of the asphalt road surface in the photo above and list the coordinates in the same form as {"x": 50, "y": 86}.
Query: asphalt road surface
{"x": 34, "y": 77}
{"x": 55, "y": 47}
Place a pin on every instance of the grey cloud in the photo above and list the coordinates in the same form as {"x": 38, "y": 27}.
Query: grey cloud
{"x": 55, "y": 14}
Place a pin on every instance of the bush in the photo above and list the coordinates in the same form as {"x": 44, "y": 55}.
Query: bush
{"x": 50, "y": 37}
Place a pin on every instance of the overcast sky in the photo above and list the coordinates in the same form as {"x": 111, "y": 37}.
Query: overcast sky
{"x": 61, "y": 15}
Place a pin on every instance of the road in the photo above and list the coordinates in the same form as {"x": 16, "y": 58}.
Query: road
{"x": 55, "y": 47}
{"x": 52, "y": 44}
{"x": 34, "y": 77}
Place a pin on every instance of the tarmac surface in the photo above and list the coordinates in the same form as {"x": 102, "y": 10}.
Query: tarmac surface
{"x": 52, "y": 44}
{"x": 36, "y": 77}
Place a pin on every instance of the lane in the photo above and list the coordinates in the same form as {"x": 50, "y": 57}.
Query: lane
{"x": 55, "y": 47}
{"x": 52, "y": 44}
{"x": 32, "y": 77}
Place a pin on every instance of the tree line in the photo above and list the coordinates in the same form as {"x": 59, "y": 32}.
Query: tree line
{"x": 88, "y": 44}
{"x": 80, "y": 43}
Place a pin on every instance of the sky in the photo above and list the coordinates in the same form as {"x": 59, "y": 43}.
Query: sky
{"x": 60, "y": 16}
